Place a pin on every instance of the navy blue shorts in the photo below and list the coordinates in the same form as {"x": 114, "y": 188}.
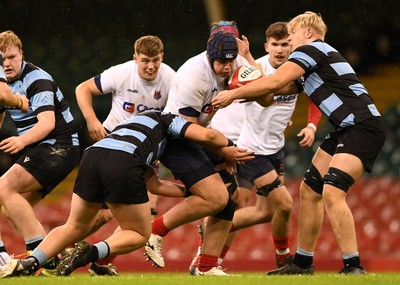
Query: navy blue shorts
{"x": 261, "y": 165}
{"x": 111, "y": 176}
{"x": 49, "y": 164}
{"x": 364, "y": 140}
{"x": 187, "y": 161}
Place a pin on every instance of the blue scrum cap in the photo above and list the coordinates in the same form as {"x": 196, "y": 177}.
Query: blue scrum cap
{"x": 222, "y": 46}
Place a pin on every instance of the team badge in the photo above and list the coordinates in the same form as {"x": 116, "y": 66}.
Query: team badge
{"x": 157, "y": 95}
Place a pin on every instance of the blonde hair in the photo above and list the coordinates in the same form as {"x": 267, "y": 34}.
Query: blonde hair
{"x": 149, "y": 46}
{"x": 309, "y": 19}
{"x": 7, "y": 39}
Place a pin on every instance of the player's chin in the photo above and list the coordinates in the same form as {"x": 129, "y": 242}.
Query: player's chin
{"x": 150, "y": 77}
{"x": 225, "y": 74}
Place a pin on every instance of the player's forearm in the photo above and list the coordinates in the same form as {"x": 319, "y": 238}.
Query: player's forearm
{"x": 37, "y": 133}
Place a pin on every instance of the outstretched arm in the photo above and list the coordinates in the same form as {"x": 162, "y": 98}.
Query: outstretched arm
{"x": 216, "y": 140}
{"x": 284, "y": 75}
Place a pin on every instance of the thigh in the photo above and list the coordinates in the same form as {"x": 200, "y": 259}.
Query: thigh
{"x": 82, "y": 213}
{"x": 18, "y": 179}
{"x": 123, "y": 214}
{"x": 321, "y": 160}
{"x": 48, "y": 164}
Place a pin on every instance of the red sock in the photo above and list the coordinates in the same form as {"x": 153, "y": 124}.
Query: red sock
{"x": 224, "y": 251}
{"x": 206, "y": 262}
{"x": 200, "y": 244}
{"x": 233, "y": 228}
{"x": 281, "y": 243}
{"x": 158, "y": 227}
{"x": 105, "y": 261}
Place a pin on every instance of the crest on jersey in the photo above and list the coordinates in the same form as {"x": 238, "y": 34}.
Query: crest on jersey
{"x": 157, "y": 95}
{"x": 129, "y": 107}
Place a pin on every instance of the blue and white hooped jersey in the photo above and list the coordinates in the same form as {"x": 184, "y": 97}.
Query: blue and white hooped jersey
{"x": 144, "y": 135}
{"x": 44, "y": 95}
{"x": 332, "y": 85}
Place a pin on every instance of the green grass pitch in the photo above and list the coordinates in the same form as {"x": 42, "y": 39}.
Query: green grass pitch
{"x": 186, "y": 279}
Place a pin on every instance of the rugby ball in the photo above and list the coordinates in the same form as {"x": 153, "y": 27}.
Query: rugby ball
{"x": 243, "y": 75}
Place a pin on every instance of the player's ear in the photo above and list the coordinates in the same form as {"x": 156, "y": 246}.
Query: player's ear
{"x": 266, "y": 47}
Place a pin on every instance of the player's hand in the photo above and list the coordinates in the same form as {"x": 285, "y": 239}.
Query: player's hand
{"x": 234, "y": 154}
{"x": 12, "y": 145}
{"x": 309, "y": 136}
{"x": 96, "y": 130}
{"x": 230, "y": 168}
{"x": 243, "y": 46}
{"x": 223, "y": 99}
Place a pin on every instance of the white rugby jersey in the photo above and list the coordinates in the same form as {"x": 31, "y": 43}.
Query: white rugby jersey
{"x": 131, "y": 94}
{"x": 264, "y": 127}
{"x": 195, "y": 85}
{"x": 230, "y": 120}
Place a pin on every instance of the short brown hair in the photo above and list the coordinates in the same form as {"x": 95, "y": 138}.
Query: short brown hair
{"x": 149, "y": 46}
{"x": 9, "y": 38}
{"x": 277, "y": 30}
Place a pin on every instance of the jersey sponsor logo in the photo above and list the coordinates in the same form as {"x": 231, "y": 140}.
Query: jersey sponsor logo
{"x": 282, "y": 99}
{"x": 207, "y": 109}
{"x": 157, "y": 95}
{"x": 129, "y": 107}
{"x": 132, "y": 90}
{"x": 142, "y": 108}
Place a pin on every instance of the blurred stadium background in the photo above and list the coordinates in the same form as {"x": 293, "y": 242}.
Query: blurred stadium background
{"x": 74, "y": 40}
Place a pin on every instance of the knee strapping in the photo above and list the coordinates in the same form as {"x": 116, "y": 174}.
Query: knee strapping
{"x": 338, "y": 179}
{"x": 266, "y": 189}
{"x": 313, "y": 179}
{"x": 229, "y": 210}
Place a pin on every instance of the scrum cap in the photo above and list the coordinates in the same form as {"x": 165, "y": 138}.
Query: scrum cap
{"x": 222, "y": 46}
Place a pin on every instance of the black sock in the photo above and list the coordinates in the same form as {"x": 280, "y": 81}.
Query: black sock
{"x": 352, "y": 262}
{"x": 33, "y": 245}
{"x": 302, "y": 261}
{"x": 94, "y": 254}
